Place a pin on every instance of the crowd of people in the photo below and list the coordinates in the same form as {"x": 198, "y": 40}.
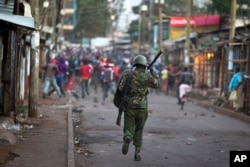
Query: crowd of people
{"x": 67, "y": 70}
{"x": 98, "y": 69}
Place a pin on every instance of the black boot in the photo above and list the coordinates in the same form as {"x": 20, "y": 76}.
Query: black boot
{"x": 137, "y": 156}
{"x": 125, "y": 145}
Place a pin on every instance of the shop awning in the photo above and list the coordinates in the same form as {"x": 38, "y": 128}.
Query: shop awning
{"x": 22, "y": 21}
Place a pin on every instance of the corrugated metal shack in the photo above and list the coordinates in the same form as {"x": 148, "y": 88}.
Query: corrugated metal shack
{"x": 16, "y": 24}
{"x": 213, "y": 65}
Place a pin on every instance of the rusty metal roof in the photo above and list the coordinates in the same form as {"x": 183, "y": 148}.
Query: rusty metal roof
{"x": 7, "y": 7}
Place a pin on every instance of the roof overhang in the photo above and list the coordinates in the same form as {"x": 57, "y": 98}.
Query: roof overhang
{"x": 22, "y": 21}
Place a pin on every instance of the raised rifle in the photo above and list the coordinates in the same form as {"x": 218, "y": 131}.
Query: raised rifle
{"x": 119, "y": 98}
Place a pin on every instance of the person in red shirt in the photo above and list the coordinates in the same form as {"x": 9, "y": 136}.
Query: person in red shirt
{"x": 116, "y": 69}
{"x": 86, "y": 73}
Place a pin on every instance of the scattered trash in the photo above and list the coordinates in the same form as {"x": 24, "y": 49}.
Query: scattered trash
{"x": 20, "y": 137}
{"x": 80, "y": 151}
{"x": 77, "y": 141}
{"x": 77, "y": 110}
{"x": 14, "y": 127}
{"x": 203, "y": 134}
{"x": 40, "y": 115}
{"x": 8, "y": 123}
{"x": 86, "y": 152}
{"x": 101, "y": 118}
{"x": 75, "y": 95}
{"x": 187, "y": 142}
{"x": 28, "y": 126}
{"x": 76, "y": 119}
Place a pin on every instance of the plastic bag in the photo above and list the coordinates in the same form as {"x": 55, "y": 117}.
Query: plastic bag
{"x": 233, "y": 96}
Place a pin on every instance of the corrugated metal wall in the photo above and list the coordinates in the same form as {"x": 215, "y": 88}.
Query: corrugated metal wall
{"x": 7, "y": 8}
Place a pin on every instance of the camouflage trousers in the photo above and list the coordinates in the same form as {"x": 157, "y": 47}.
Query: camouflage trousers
{"x": 134, "y": 121}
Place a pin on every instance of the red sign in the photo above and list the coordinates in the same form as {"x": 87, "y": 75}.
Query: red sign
{"x": 195, "y": 21}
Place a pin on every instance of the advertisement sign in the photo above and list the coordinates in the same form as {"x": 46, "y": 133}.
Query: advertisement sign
{"x": 195, "y": 21}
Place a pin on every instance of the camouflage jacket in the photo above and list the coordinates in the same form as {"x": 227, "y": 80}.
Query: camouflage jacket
{"x": 137, "y": 92}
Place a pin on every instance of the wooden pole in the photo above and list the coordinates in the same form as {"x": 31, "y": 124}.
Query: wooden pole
{"x": 188, "y": 30}
{"x": 233, "y": 16}
{"x": 139, "y": 31}
{"x": 160, "y": 25}
{"x": 231, "y": 38}
{"x": 232, "y": 33}
{"x": 34, "y": 63}
{"x": 142, "y": 30}
{"x": 54, "y": 15}
{"x": 62, "y": 18}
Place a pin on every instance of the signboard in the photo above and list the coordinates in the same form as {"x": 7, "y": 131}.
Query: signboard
{"x": 195, "y": 21}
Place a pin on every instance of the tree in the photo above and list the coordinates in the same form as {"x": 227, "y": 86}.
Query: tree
{"x": 133, "y": 29}
{"x": 169, "y": 8}
{"x": 224, "y": 7}
{"x": 93, "y": 17}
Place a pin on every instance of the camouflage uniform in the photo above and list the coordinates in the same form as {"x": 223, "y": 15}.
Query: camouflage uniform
{"x": 136, "y": 102}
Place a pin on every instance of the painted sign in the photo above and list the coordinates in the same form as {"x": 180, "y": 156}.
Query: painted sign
{"x": 195, "y": 21}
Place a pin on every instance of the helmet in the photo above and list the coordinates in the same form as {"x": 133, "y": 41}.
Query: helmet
{"x": 140, "y": 60}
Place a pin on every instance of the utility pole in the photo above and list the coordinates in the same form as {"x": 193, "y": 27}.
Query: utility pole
{"x": 63, "y": 18}
{"x": 142, "y": 28}
{"x": 160, "y": 26}
{"x": 62, "y": 13}
{"x": 139, "y": 31}
{"x": 160, "y": 2}
{"x": 34, "y": 63}
{"x": 54, "y": 15}
{"x": 144, "y": 9}
{"x": 232, "y": 34}
{"x": 188, "y": 30}
{"x": 111, "y": 18}
{"x": 233, "y": 16}
{"x": 231, "y": 37}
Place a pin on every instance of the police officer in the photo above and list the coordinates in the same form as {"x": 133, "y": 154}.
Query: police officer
{"x": 135, "y": 105}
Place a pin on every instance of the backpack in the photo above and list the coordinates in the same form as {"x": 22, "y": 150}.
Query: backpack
{"x": 119, "y": 96}
{"x": 108, "y": 75}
